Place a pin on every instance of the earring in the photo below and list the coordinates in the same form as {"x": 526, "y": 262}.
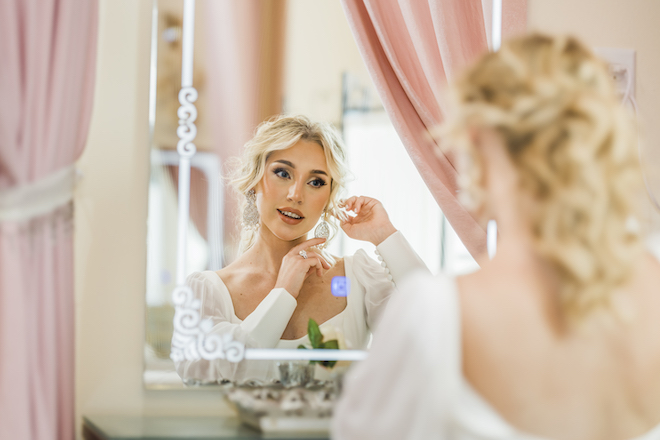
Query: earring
{"x": 250, "y": 213}
{"x": 322, "y": 229}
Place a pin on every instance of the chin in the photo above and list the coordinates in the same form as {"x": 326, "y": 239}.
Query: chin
{"x": 288, "y": 233}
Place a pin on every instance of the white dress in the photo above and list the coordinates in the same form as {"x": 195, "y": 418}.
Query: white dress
{"x": 411, "y": 386}
{"x": 370, "y": 288}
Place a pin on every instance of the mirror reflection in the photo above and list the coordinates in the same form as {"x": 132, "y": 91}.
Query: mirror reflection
{"x": 279, "y": 287}
{"x": 258, "y": 60}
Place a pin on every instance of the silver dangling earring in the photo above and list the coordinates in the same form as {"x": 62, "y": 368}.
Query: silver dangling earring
{"x": 322, "y": 229}
{"x": 251, "y": 213}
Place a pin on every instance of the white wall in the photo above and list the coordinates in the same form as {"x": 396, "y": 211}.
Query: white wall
{"x": 111, "y": 199}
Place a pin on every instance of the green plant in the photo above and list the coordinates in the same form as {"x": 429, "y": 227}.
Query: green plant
{"x": 316, "y": 339}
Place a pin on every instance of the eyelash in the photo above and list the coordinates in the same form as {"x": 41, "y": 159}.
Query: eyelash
{"x": 280, "y": 171}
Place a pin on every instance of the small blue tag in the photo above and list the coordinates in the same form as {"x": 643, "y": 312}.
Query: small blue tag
{"x": 340, "y": 286}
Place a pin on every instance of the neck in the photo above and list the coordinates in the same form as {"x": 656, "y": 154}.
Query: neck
{"x": 516, "y": 250}
{"x": 268, "y": 250}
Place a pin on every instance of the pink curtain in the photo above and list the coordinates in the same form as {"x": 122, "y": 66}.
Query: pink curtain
{"x": 48, "y": 49}
{"x": 244, "y": 40}
{"x": 232, "y": 33}
{"x": 412, "y": 48}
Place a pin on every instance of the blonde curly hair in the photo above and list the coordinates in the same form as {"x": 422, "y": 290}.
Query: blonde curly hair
{"x": 555, "y": 107}
{"x": 279, "y": 133}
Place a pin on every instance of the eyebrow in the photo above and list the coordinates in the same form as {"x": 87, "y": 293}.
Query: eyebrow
{"x": 286, "y": 162}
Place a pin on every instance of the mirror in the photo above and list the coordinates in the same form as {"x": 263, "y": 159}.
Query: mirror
{"x": 254, "y": 59}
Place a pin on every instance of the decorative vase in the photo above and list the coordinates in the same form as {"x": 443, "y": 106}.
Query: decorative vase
{"x": 296, "y": 373}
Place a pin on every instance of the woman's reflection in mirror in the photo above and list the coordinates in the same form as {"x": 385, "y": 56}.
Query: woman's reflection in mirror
{"x": 290, "y": 178}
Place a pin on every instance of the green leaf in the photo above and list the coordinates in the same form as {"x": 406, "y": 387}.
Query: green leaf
{"x": 333, "y": 344}
{"x": 314, "y": 333}
{"x": 302, "y": 347}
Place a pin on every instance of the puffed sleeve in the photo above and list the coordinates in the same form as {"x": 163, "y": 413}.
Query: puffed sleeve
{"x": 263, "y": 328}
{"x": 406, "y": 386}
{"x": 399, "y": 258}
{"x": 396, "y": 260}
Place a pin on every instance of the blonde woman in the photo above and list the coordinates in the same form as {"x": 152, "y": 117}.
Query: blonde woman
{"x": 558, "y": 336}
{"x": 290, "y": 177}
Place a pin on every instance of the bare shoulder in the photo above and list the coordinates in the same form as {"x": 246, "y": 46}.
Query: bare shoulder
{"x": 479, "y": 314}
{"x": 485, "y": 300}
{"x": 228, "y": 274}
{"x": 512, "y": 332}
{"x": 502, "y": 315}
{"x": 238, "y": 274}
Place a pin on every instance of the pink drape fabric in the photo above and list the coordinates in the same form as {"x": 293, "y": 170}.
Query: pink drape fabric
{"x": 243, "y": 80}
{"x": 232, "y": 33}
{"x": 412, "y": 48}
{"x": 48, "y": 49}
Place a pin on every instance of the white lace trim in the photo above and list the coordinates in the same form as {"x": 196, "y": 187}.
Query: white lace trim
{"x": 37, "y": 198}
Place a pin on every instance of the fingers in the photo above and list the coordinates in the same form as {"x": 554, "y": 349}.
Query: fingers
{"x": 359, "y": 203}
{"x": 340, "y": 214}
{"x": 349, "y": 204}
{"x": 313, "y": 263}
{"x": 315, "y": 267}
{"x": 306, "y": 244}
{"x": 356, "y": 204}
{"x": 312, "y": 253}
{"x": 363, "y": 207}
{"x": 296, "y": 268}
{"x": 313, "y": 257}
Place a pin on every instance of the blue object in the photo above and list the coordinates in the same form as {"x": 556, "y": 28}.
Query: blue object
{"x": 340, "y": 286}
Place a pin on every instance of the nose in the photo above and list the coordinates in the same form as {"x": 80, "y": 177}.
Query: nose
{"x": 295, "y": 194}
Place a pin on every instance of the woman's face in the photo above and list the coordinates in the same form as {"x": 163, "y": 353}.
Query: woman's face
{"x": 294, "y": 190}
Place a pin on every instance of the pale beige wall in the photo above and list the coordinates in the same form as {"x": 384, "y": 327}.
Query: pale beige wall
{"x": 319, "y": 48}
{"x": 110, "y": 234}
{"x": 111, "y": 198}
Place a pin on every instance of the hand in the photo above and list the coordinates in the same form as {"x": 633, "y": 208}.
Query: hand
{"x": 371, "y": 222}
{"x": 295, "y": 269}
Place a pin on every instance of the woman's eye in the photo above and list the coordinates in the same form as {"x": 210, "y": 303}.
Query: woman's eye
{"x": 281, "y": 172}
{"x": 317, "y": 183}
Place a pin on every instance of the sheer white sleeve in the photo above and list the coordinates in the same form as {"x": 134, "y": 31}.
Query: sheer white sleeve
{"x": 397, "y": 259}
{"x": 263, "y": 328}
{"x": 404, "y": 389}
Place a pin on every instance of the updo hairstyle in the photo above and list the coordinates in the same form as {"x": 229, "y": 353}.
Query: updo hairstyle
{"x": 280, "y": 133}
{"x": 574, "y": 147}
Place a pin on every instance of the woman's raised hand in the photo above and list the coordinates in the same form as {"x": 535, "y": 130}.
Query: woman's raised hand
{"x": 295, "y": 268}
{"x": 370, "y": 223}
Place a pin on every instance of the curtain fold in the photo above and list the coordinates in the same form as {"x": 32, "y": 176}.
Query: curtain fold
{"x": 411, "y": 49}
{"x": 245, "y": 52}
{"x": 48, "y": 48}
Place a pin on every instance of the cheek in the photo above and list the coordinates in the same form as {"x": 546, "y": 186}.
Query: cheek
{"x": 321, "y": 202}
{"x": 263, "y": 193}
{"x": 266, "y": 187}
